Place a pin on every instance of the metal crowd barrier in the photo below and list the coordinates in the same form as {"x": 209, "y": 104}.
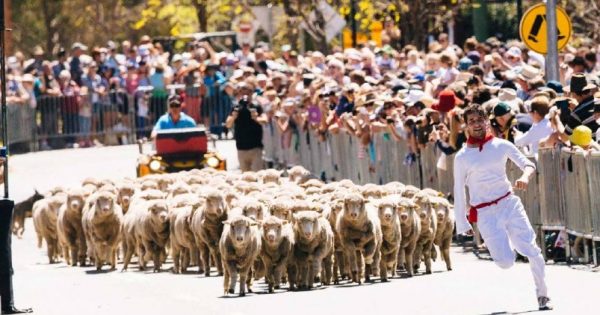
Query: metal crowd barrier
{"x": 114, "y": 118}
{"x": 21, "y": 127}
{"x": 529, "y": 197}
{"x": 576, "y": 202}
{"x": 550, "y": 185}
{"x": 563, "y": 195}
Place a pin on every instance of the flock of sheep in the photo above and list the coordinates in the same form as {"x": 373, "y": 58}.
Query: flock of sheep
{"x": 293, "y": 229}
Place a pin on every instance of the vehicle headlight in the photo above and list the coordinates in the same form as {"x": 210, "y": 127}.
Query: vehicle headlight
{"x": 155, "y": 165}
{"x": 212, "y": 162}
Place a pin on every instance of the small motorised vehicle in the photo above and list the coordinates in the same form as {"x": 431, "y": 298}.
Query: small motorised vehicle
{"x": 178, "y": 150}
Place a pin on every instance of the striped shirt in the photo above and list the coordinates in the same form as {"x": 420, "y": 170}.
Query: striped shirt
{"x": 583, "y": 114}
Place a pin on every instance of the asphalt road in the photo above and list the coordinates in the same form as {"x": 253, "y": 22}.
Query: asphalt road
{"x": 473, "y": 287}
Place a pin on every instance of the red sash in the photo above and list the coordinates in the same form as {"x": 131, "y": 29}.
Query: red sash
{"x": 472, "y": 217}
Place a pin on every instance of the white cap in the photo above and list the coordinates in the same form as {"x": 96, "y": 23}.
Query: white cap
{"x": 176, "y": 57}
{"x": 64, "y": 74}
{"x": 514, "y": 51}
{"x": 261, "y": 77}
{"x": 413, "y": 96}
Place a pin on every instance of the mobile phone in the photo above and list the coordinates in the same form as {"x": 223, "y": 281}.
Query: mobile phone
{"x": 563, "y": 105}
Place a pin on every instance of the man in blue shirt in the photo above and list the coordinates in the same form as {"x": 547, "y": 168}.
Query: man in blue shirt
{"x": 174, "y": 118}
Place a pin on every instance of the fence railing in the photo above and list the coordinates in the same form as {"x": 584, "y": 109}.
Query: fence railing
{"x": 564, "y": 195}
{"x": 114, "y": 118}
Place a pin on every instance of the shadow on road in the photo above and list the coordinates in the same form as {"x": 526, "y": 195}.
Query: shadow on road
{"x": 512, "y": 313}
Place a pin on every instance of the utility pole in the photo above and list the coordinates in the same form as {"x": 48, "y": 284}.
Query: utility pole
{"x": 353, "y": 22}
{"x": 552, "y": 54}
{"x": 519, "y": 10}
{"x": 7, "y": 205}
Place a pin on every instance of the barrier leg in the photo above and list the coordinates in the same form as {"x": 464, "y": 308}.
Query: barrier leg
{"x": 586, "y": 251}
{"x": 594, "y": 253}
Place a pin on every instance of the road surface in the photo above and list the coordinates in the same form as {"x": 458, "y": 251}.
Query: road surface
{"x": 473, "y": 287}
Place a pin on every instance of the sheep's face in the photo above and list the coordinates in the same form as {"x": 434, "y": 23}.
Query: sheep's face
{"x": 424, "y": 210}
{"x": 125, "y": 194}
{"x": 387, "y": 213}
{"x": 159, "y": 211}
{"x": 215, "y": 204}
{"x": 240, "y": 229}
{"x": 105, "y": 203}
{"x": 281, "y": 212}
{"x": 75, "y": 202}
{"x": 354, "y": 207}
{"x": 440, "y": 209}
{"x": 307, "y": 225}
{"x": 253, "y": 210}
{"x": 406, "y": 210}
{"x": 272, "y": 230}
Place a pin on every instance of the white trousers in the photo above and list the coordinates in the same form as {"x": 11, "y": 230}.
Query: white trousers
{"x": 505, "y": 227}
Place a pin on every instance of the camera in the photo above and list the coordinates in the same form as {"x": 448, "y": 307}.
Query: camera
{"x": 389, "y": 120}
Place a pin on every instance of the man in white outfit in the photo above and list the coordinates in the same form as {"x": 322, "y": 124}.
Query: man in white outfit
{"x": 500, "y": 215}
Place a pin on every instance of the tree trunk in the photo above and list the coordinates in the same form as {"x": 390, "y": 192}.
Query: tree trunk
{"x": 202, "y": 14}
{"x": 50, "y": 29}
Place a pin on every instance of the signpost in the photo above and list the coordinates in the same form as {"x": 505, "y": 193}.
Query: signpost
{"x": 546, "y": 28}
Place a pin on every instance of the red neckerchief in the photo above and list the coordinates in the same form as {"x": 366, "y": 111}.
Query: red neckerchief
{"x": 480, "y": 142}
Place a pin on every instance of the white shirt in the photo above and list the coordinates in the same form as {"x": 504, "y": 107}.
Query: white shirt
{"x": 532, "y": 137}
{"x": 484, "y": 172}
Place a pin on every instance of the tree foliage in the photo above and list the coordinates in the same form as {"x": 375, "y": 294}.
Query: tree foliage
{"x": 56, "y": 23}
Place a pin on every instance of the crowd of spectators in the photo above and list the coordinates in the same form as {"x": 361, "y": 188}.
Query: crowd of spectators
{"x": 411, "y": 95}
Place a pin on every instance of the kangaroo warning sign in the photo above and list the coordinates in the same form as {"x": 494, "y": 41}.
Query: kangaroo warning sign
{"x": 533, "y": 28}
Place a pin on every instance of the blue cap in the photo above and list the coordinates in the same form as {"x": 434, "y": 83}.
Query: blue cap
{"x": 555, "y": 85}
{"x": 464, "y": 64}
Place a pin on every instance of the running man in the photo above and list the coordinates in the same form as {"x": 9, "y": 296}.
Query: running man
{"x": 500, "y": 215}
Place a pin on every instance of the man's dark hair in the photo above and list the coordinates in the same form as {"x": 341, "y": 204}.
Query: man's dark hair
{"x": 473, "y": 109}
{"x": 591, "y": 57}
{"x": 477, "y": 70}
{"x": 482, "y": 95}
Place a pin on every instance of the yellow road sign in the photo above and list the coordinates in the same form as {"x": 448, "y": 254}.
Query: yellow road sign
{"x": 533, "y": 28}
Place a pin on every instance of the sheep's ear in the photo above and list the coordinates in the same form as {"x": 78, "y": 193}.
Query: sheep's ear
{"x": 226, "y": 222}
{"x": 285, "y": 222}
{"x": 295, "y": 216}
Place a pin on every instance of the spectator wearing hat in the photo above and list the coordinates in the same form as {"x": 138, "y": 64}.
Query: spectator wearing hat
{"x": 514, "y": 57}
{"x": 525, "y": 76}
{"x": 95, "y": 87}
{"x": 112, "y": 58}
{"x": 541, "y": 127}
{"x": 447, "y": 100}
{"x": 46, "y": 90}
{"x": 246, "y": 119}
{"x": 174, "y": 118}
{"x": 587, "y": 110}
{"x": 75, "y": 66}
{"x": 509, "y": 96}
{"x": 61, "y": 63}
{"x": 35, "y": 67}
{"x": 504, "y": 122}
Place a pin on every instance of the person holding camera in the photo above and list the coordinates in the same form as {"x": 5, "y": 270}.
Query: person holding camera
{"x": 246, "y": 119}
